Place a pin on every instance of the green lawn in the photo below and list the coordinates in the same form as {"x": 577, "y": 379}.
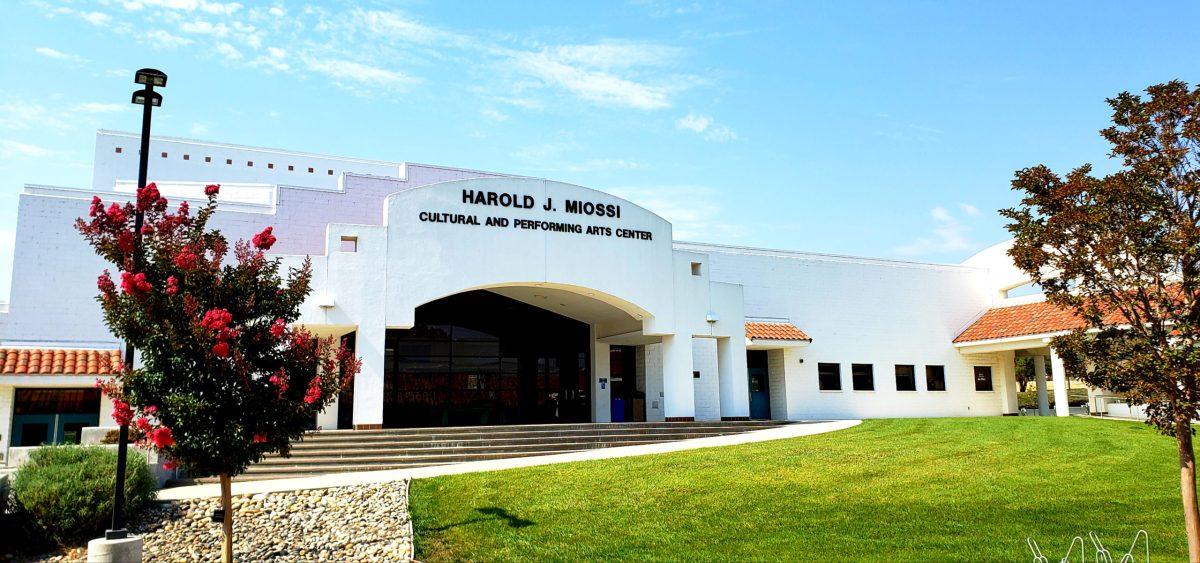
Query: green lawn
{"x": 925, "y": 489}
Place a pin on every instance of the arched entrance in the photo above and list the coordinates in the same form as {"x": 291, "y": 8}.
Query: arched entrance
{"x": 481, "y": 358}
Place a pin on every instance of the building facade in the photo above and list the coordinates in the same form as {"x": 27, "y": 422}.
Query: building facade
{"x": 481, "y": 298}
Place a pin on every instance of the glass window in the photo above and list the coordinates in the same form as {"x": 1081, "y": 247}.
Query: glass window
{"x": 829, "y": 377}
{"x": 906, "y": 378}
{"x": 983, "y": 378}
{"x": 935, "y": 378}
{"x": 863, "y": 376}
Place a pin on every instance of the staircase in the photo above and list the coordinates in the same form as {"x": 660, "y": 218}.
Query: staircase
{"x": 332, "y": 451}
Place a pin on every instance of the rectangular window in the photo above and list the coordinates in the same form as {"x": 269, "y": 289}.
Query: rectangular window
{"x": 118, "y": 150}
{"x": 229, "y": 161}
{"x": 935, "y": 378}
{"x": 906, "y": 378}
{"x": 983, "y": 378}
{"x": 695, "y": 268}
{"x": 829, "y": 377}
{"x": 208, "y": 159}
{"x": 695, "y": 375}
{"x": 291, "y": 168}
{"x": 271, "y": 165}
{"x": 164, "y": 155}
{"x": 863, "y": 376}
{"x": 349, "y": 244}
{"x": 187, "y": 157}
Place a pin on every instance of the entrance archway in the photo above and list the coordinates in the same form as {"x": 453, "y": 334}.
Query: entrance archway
{"x": 513, "y": 355}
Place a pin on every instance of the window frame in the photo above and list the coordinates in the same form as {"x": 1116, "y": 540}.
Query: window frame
{"x": 912, "y": 376}
{"x": 941, "y": 373}
{"x": 854, "y": 375}
{"x": 991, "y": 384}
{"x": 837, "y": 373}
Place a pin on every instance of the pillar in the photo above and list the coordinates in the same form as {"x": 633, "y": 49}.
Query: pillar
{"x": 778, "y": 361}
{"x": 601, "y": 383}
{"x": 732, "y": 378}
{"x": 679, "y": 395}
{"x": 1007, "y": 379}
{"x": 7, "y": 393}
{"x": 1059, "y": 373}
{"x": 1039, "y": 377}
{"x": 368, "y": 384}
{"x": 651, "y": 374}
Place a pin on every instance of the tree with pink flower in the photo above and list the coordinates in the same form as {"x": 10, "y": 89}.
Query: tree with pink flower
{"x": 225, "y": 378}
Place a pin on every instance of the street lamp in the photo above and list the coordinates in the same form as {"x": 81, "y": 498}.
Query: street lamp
{"x": 148, "y": 99}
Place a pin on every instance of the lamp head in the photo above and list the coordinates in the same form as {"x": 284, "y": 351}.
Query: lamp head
{"x": 142, "y": 97}
{"x": 150, "y": 77}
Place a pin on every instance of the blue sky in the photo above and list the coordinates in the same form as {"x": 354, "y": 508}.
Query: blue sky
{"x": 886, "y": 129}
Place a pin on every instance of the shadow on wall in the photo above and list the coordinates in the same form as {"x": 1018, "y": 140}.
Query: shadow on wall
{"x": 490, "y": 513}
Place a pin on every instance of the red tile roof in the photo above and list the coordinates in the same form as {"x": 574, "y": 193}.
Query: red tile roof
{"x": 54, "y": 361}
{"x": 774, "y": 331}
{"x": 1022, "y": 320}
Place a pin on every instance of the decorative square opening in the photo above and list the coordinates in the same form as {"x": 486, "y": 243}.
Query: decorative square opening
{"x": 348, "y": 244}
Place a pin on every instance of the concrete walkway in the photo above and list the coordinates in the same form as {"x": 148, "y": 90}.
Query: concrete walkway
{"x": 805, "y": 428}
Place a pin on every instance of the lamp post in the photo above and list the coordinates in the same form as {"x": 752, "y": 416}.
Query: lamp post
{"x": 148, "y": 99}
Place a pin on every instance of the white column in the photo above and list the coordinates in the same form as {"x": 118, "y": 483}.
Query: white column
{"x": 601, "y": 394}
{"x": 7, "y": 395}
{"x": 732, "y": 378}
{"x": 368, "y": 384}
{"x": 777, "y": 372}
{"x": 652, "y": 373}
{"x": 1007, "y": 376}
{"x": 1061, "y": 408}
{"x": 679, "y": 395}
{"x": 1039, "y": 376}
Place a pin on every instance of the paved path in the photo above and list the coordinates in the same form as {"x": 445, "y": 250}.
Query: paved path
{"x": 806, "y": 428}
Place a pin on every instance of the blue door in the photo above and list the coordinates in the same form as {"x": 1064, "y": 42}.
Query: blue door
{"x": 53, "y": 416}
{"x": 760, "y": 393}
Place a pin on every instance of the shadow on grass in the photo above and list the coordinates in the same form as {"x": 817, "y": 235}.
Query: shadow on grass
{"x": 487, "y": 514}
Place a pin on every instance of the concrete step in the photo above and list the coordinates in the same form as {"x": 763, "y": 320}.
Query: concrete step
{"x": 404, "y": 437}
{"x": 505, "y": 439}
{"x": 438, "y": 456}
{"x": 383, "y": 464}
{"x": 319, "y": 450}
{"x": 454, "y": 430}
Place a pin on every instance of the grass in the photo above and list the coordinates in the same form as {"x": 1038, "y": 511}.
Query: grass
{"x": 918, "y": 489}
{"x": 1075, "y": 396}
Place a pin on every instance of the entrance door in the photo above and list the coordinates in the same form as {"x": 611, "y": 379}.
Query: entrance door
{"x": 760, "y": 393}
{"x": 53, "y": 416}
{"x": 628, "y": 404}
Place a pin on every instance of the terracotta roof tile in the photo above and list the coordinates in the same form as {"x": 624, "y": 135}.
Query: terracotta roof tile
{"x": 774, "y": 331}
{"x": 1022, "y": 320}
{"x": 54, "y": 361}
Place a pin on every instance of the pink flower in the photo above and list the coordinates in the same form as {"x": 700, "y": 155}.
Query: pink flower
{"x": 313, "y": 394}
{"x": 105, "y": 283}
{"x": 150, "y": 409}
{"x": 143, "y": 424}
{"x": 169, "y": 465}
{"x": 162, "y": 437}
{"x": 125, "y": 242}
{"x": 134, "y": 283}
{"x": 212, "y": 189}
{"x": 186, "y": 259}
{"x": 116, "y": 213}
{"x": 279, "y": 379}
{"x": 216, "y": 319}
{"x": 97, "y": 206}
{"x": 278, "y": 328}
{"x": 147, "y": 230}
{"x": 148, "y": 196}
{"x": 122, "y": 414}
{"x": 259, "y": 438}
{"x": 221, "y": 349}
{"x": 183, "y": 208}
{"x": 172, "y": 285}
{"x": 263, "y": 240}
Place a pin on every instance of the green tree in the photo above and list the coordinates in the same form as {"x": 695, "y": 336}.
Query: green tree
{"x": 224, "y": 379}
{"x": 1122, "y": 252}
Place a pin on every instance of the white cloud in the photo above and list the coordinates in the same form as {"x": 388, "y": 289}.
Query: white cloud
{"x": 693, "y": 211}
{"x": 96, "y": 18}
{"x": 349, "y": 71}
{"x": 969, "y": 209}
{"x": 58, "y": 55}
{"x": 706, "y": 127}
{"x": 202, "y": 27}
{"x": 229, "y": 52}
{"x": 13, "y": 149}
{"x": 22, "y": 115}
{"x": 165, "y": 40}
{"x": 201, "y": 128}
{"x": 617, "y": 55}
{"x": 949, "y": 235}
{"x": 494, "y": 115}
{"x": 595, "y": 86}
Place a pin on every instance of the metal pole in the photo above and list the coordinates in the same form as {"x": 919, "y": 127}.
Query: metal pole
{"x": 117, "y": 529}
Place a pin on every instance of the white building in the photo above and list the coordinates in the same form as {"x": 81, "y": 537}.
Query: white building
{"x": 475, "y": 297}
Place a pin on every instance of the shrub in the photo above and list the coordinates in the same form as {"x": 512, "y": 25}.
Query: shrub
{"x": 67, "y": 491}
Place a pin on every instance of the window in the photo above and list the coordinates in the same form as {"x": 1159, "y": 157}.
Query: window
{"x": 291, "y": 168}
{"x": 983, "y": 378}
{"x": 229, "y": 161}
{"x": 208, "y": 159}
{"x": 187, "y": 157}
{"x": 164, "y": 155}
{"x": 331, "y": 172}
{"x": 695, "y": 375}
{"x": 271, "y": 165}
{"x": 863, "y": 376}
{"x": 935, "y": 378}
{"x": 829, "y": 377}
{"x": 118, "y": 150}
{"x": 695, "y": 268}
{"x": 310, "y": 170}
{"x": 249, "y": 163}
{"x": 906, "y": 378}
{"x": 349, "y": 244}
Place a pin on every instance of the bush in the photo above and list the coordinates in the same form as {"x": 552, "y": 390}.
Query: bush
{"x": 67, "y": 491}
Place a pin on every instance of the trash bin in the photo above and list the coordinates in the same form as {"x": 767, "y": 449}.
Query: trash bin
{"x": 618, "y": 409}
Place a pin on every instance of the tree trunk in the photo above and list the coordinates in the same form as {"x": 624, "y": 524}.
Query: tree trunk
{"x": 1187, "y": 487}
{"x": 227, "y": 524}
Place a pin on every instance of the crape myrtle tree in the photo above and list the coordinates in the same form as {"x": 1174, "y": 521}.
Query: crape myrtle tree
{"x": 1122, "y": 252}
{"x": 224, "y": 379}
